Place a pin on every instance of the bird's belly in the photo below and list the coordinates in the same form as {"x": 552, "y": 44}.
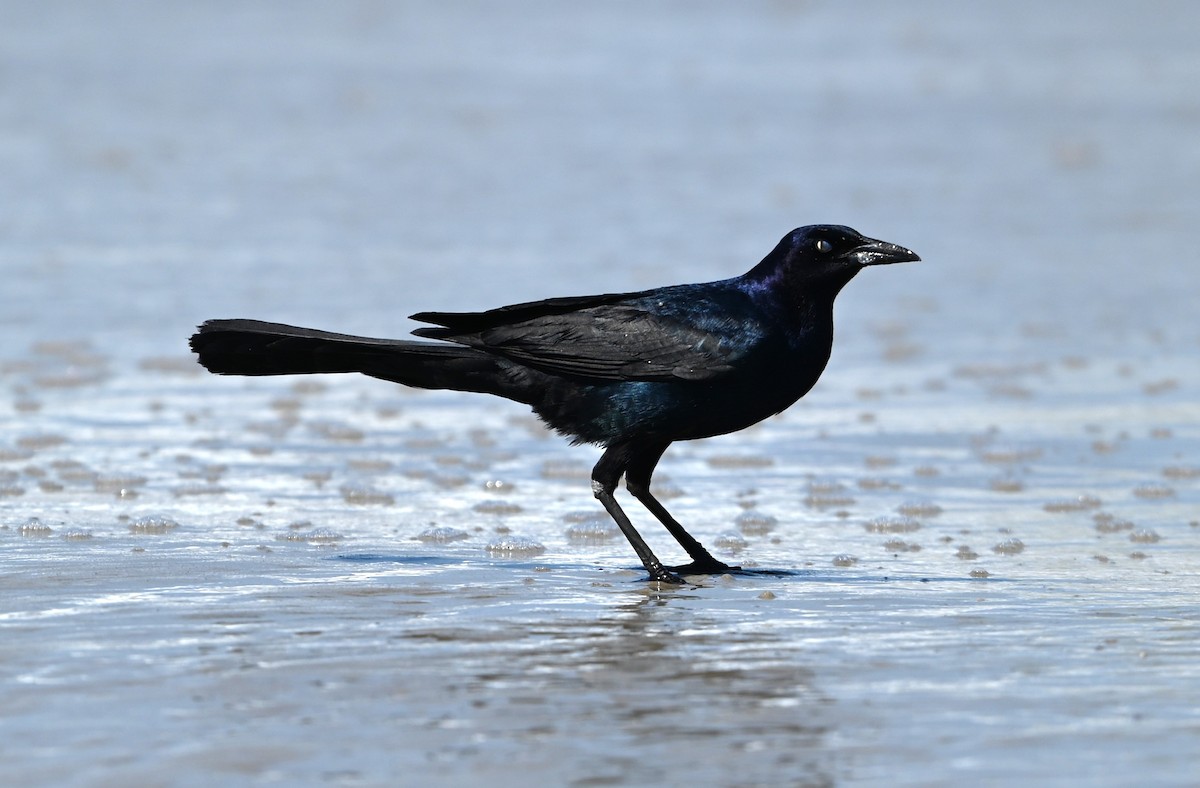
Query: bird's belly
{"x": 670, "y": 411}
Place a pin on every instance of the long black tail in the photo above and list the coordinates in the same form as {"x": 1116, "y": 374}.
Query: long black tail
{"x": 253, "y": 347}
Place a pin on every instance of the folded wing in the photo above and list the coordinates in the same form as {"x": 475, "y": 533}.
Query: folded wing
{"x": 650, "y": 336}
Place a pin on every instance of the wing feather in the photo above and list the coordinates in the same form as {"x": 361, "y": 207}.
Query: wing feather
{"x": 670, "y": 334}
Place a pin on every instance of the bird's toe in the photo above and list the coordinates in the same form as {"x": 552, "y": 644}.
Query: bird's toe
{"x": 713, "y": 567}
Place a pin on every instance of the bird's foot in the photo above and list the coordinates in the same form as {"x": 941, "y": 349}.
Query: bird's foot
{"x": 710, "y": 567}
{"x": 662, "y": 574}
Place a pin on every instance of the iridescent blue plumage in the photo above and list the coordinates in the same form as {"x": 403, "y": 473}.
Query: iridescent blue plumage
{"x": 632, "y": 372}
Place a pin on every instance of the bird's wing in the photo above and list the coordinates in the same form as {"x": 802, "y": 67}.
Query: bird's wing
{"x": 466, "y": 322}
{"x": 650, "y": 336}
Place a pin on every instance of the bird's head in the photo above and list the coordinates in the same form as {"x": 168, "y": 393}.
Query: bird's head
{"x": 826, "y": 255}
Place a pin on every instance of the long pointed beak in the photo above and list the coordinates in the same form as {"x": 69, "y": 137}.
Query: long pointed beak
{"x": 875, "y": 252}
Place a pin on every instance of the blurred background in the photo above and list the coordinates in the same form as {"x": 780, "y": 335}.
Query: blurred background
{"x": 352, "y": 163}
{"x": 983, "y": 518}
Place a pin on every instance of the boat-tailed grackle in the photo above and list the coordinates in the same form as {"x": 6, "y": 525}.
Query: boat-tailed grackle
{"x": 632, "y": 372}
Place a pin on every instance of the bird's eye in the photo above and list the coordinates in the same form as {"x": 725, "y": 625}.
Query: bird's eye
{"x": 824, "y": 246}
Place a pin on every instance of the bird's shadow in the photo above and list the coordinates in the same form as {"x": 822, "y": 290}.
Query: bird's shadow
{"x": 739, "y": 572}
{"x": 821, "y": 576}
{"x": 638, "y": 574}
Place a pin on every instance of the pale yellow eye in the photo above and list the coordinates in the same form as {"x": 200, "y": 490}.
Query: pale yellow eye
{"x": 824, "y": 246}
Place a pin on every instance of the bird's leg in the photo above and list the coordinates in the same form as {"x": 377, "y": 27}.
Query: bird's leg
{"x": 637, "y": 480}
{"x": 605, "y": 476}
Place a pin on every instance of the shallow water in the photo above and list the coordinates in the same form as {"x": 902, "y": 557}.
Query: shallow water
{"x": 970, "y": 554}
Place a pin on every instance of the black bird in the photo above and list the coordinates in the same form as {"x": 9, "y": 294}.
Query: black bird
{"x": 632, "y": 372}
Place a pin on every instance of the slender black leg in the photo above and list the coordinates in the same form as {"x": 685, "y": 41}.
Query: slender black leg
{"x": 605, "y": 476}
{"x": 637, "y": 480}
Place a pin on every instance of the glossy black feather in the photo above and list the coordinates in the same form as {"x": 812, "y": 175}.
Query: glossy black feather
{"x": 678, "y": 333}
{"x": 632, "y": 372}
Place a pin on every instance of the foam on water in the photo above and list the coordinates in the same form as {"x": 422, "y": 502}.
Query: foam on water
{"x": 754, "y": 523}
{"x": 893, "y": 525}
{"x": 513, "y": 546}
{"x": 153, "y": 524}
{"x": 442, "y": 535}
{"x": 1010, "y": 546}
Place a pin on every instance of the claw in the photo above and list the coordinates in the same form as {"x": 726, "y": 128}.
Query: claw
{"x": 667, "y": 576}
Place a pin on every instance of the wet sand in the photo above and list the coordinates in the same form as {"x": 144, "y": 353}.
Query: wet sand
{"x": 970, "y": 554}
